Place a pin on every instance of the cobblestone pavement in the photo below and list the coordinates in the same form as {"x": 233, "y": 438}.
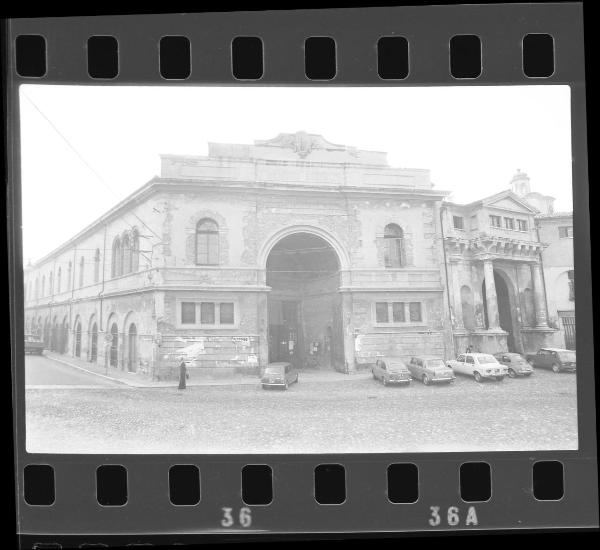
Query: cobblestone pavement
{"x": 314, "y": 417}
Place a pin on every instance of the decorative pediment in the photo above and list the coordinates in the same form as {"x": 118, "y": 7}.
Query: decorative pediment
{"x": 302, "y": 143}
{"x": 507, "y": 200}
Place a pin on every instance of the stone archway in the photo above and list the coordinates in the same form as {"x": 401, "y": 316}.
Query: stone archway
{"x": 305, "y": 324}
{"x": 506, "y": 309}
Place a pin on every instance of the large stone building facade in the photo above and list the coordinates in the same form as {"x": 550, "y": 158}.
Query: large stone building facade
{"x": 296, "y": 249}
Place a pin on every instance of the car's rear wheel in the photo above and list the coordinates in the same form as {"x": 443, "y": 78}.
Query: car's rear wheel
{"x": 512, "y": 373}
{"x": 426, "y": 380}
{"x": 477, "y": 377}
{"x": 555, "y": 368}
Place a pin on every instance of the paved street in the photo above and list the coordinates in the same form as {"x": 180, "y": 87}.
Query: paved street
{"x": 41, "y": 371}
{"x": 316, "y": 417}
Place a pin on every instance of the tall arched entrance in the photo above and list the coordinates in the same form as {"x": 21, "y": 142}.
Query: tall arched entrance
{"x": 132, "y": 348}
{"x": 94, "y": 343}
{"x": 78, "y": 339}
{"x": 114, "y": 345}
{"x": 304, "y": 305}
{"x": 505, "y": 309}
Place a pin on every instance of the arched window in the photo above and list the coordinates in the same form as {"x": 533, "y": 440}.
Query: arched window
{"x": 81, "y": 269}
{"x": 43, "y": 285}
{"x": 207, "y": 242}
{"x": 50, "y": 283}
{"x": 58, "y": 278}
{"x": 126, "y": 253}
{"x": 97, "y": 265}
{"x": 135, "y": 250}
{"x": 394, "y": 246}
{"x": 116, "y": 258}
{"x": 37, "y": 287}
{"x": 69, "y": 271}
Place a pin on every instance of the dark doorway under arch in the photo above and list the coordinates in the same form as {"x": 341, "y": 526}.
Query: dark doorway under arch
{"x": 504, "y": 309}
{"x": 78, "y": 339}
{"x": 94, "y": 343}
{"x": 304, "y": 305}
{"x": 132, "y": 348}
{"x": 114, "y": 345}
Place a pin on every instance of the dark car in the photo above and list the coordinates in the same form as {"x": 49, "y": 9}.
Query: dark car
{"x": 516, "y": 364}
{"x": 430, "y": 370}
{"x": 279, "y": 374}
{"x": 33, "y": 345}
{"x": 391, "y": 371}
{"x": 557, "y": 359}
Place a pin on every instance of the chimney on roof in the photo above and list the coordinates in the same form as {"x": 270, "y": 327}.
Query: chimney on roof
{"x": 520, "y": 184}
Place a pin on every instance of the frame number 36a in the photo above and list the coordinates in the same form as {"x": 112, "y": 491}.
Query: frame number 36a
{"x": 452, "y": 516}
{"x": 244, "y": 517}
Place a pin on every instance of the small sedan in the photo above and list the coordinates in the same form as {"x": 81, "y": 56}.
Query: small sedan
{"x": 279, "y": 375}
{"x": 430, "y": 370}
{"x": 33, "y": 345}
{"x": 479, "y": 366}
{"x": 391, "y": 371}
{"x": 515, "y": 363}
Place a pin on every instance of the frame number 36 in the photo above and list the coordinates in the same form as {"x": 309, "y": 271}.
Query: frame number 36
{"x": 244, "y": 518}
{"x": 453, "y": 516}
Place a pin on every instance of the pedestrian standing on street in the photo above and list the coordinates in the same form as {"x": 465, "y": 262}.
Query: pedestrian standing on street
{"x": 469, "y": 349}
{"x": 182, "y": 373}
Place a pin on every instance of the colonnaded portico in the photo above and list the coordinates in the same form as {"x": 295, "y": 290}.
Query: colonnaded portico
{"x": 498, "y": 297}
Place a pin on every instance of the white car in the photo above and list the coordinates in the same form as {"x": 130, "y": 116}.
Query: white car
{"x": 479, "y": 366}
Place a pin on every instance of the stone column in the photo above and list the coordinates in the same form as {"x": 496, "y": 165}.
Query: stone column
{"x": 490, "y": 295}
{"x": 539, "y": 296}
{"x": 456, "y": 297}
{"x": 348, "y": 328}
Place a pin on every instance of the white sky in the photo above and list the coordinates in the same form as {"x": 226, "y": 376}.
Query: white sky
{"x": 471, "y": 138}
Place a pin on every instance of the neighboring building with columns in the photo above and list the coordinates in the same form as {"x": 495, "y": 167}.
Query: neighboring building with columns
{"x": 294, "y": 249}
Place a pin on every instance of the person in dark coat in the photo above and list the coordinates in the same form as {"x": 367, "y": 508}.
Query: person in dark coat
{"x": 182, "y": 373}
{"x": 469, "y": 349}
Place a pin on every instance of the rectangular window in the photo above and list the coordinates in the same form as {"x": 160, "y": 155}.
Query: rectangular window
{"x": 381, "y": 312}
{"x": 459, "y": 222}
{"x": 522, "y": 225}
{"x": 207, "y": 313}
{"x": 509, "y": 223}
{"x": 415, "y": 312}
{"x": 495, "y": 221}
{"x": 188, "y": 313}
{"x": 565, "y": 232}
{"x": 226, "y": 313}
{"x": 398, "y": 312}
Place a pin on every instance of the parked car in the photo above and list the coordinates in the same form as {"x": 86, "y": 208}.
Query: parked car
{"x": 515, "y": 363}
{"x": 430, "y": 370}
{"x": 33, "y": 345}
{"x": 391, "y": 371}
{"x": 553, "y": 358}
{"x": 279, "y": 374}
{"x": 479, "y": 366}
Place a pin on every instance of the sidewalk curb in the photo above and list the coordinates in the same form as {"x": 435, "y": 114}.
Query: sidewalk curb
{"x": 174, "y": 385}
{"x": 127, "y": 383}
{"x": 72, "y": 365}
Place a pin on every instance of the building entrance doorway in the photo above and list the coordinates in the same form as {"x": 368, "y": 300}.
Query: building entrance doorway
{"x": 504, "y": 310}
{"x": 132, "y": 348}
{"x": 114, "y": 345}
{"x": 304, "y": 305}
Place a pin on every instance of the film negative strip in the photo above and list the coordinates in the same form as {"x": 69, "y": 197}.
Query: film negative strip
{"x": 278, "y": 243}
